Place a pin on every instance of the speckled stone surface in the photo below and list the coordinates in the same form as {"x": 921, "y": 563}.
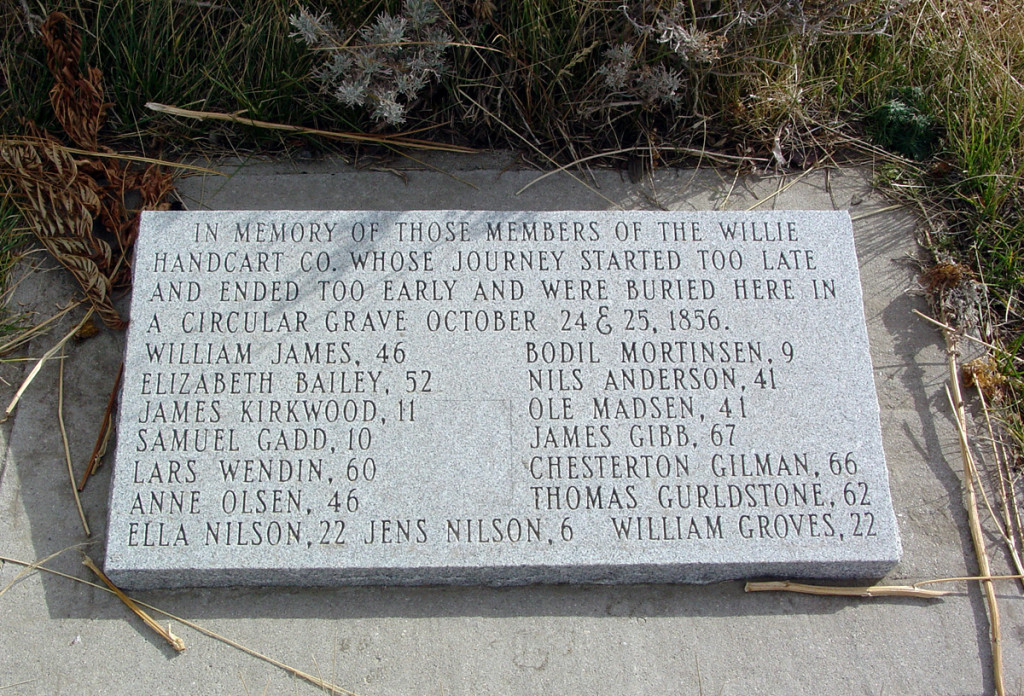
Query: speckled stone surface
{"x": 455, "y": 397}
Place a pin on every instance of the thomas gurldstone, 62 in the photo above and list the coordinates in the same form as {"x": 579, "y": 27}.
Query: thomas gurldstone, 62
{"x": 413, "y": 397}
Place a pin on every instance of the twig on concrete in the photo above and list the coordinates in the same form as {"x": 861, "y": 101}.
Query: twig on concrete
{"x": 106, "y": 427}
{"x": 968, "y": 578}
{"x": 984, "y": 496}
{"x": 67, "y": 450}
{"x": 1007, "y": 528}
{"x": 971, "y": 503}
{"x": 176, "y": 642}
{"x": 914, "y": 590}
{"x": 1015, "y": 509}
{"x": 826, "y": 590}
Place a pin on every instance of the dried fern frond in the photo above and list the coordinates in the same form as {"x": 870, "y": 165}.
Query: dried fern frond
{"x": 77, "y": 99}
{"x": 984, "y": 374}
{"x": 70, "y": 202}
{"x": 61, "y": 205}
{"x": 946, "y": 275}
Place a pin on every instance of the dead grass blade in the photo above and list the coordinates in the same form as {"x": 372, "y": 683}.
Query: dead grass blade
{"x": 317, "y": 681}
{"x": 914, "y": 590}
{"x": 39, "y": 364}
{"x": 175, "y": 642}
{"x": 969, "y": 337}
{"x": 17, "y": 684}
{"x": 326, "y": 686}
{"x": 390, "y": 140}
{"x": 829, "y": 591}
{"x": 29, "y": 567}
{"x": 21, "y": 683}
{"x": 1013, "y": 510}
{"x": 971, "y": 503}
{"x": 782, "y": 188}
{"x": 428, "y": 165}
{"x": 1004, "y": 475}
{"x": 23, "y": 337}
{"x": 101, "y": 154}
{"x": 67, "y": 450}
{"x": 879, "y": 211}
{"x": 968, "y": 578}
{"x": 1004, "y": 532}
{"x": 530, "y": 143}
{"x": 575, "y": 162}
{"x": 106, "y": 428}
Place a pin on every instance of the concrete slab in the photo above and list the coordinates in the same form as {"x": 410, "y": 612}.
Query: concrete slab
{"x": 64, "y": 637}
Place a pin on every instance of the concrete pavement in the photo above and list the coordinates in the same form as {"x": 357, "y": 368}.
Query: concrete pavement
{"x": 62, "y": 637}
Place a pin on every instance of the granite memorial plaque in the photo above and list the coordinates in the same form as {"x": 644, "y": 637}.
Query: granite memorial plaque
{"x": 461, "y": 397}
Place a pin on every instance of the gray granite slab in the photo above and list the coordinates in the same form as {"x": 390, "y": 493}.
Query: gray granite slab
{"x": 417, "y": 397}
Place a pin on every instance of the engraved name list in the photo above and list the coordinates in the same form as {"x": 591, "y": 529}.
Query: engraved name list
{"x": 414, "y": 397}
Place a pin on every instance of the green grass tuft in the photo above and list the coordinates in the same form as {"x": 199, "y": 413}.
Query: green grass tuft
{"x": 905, "y": 125}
